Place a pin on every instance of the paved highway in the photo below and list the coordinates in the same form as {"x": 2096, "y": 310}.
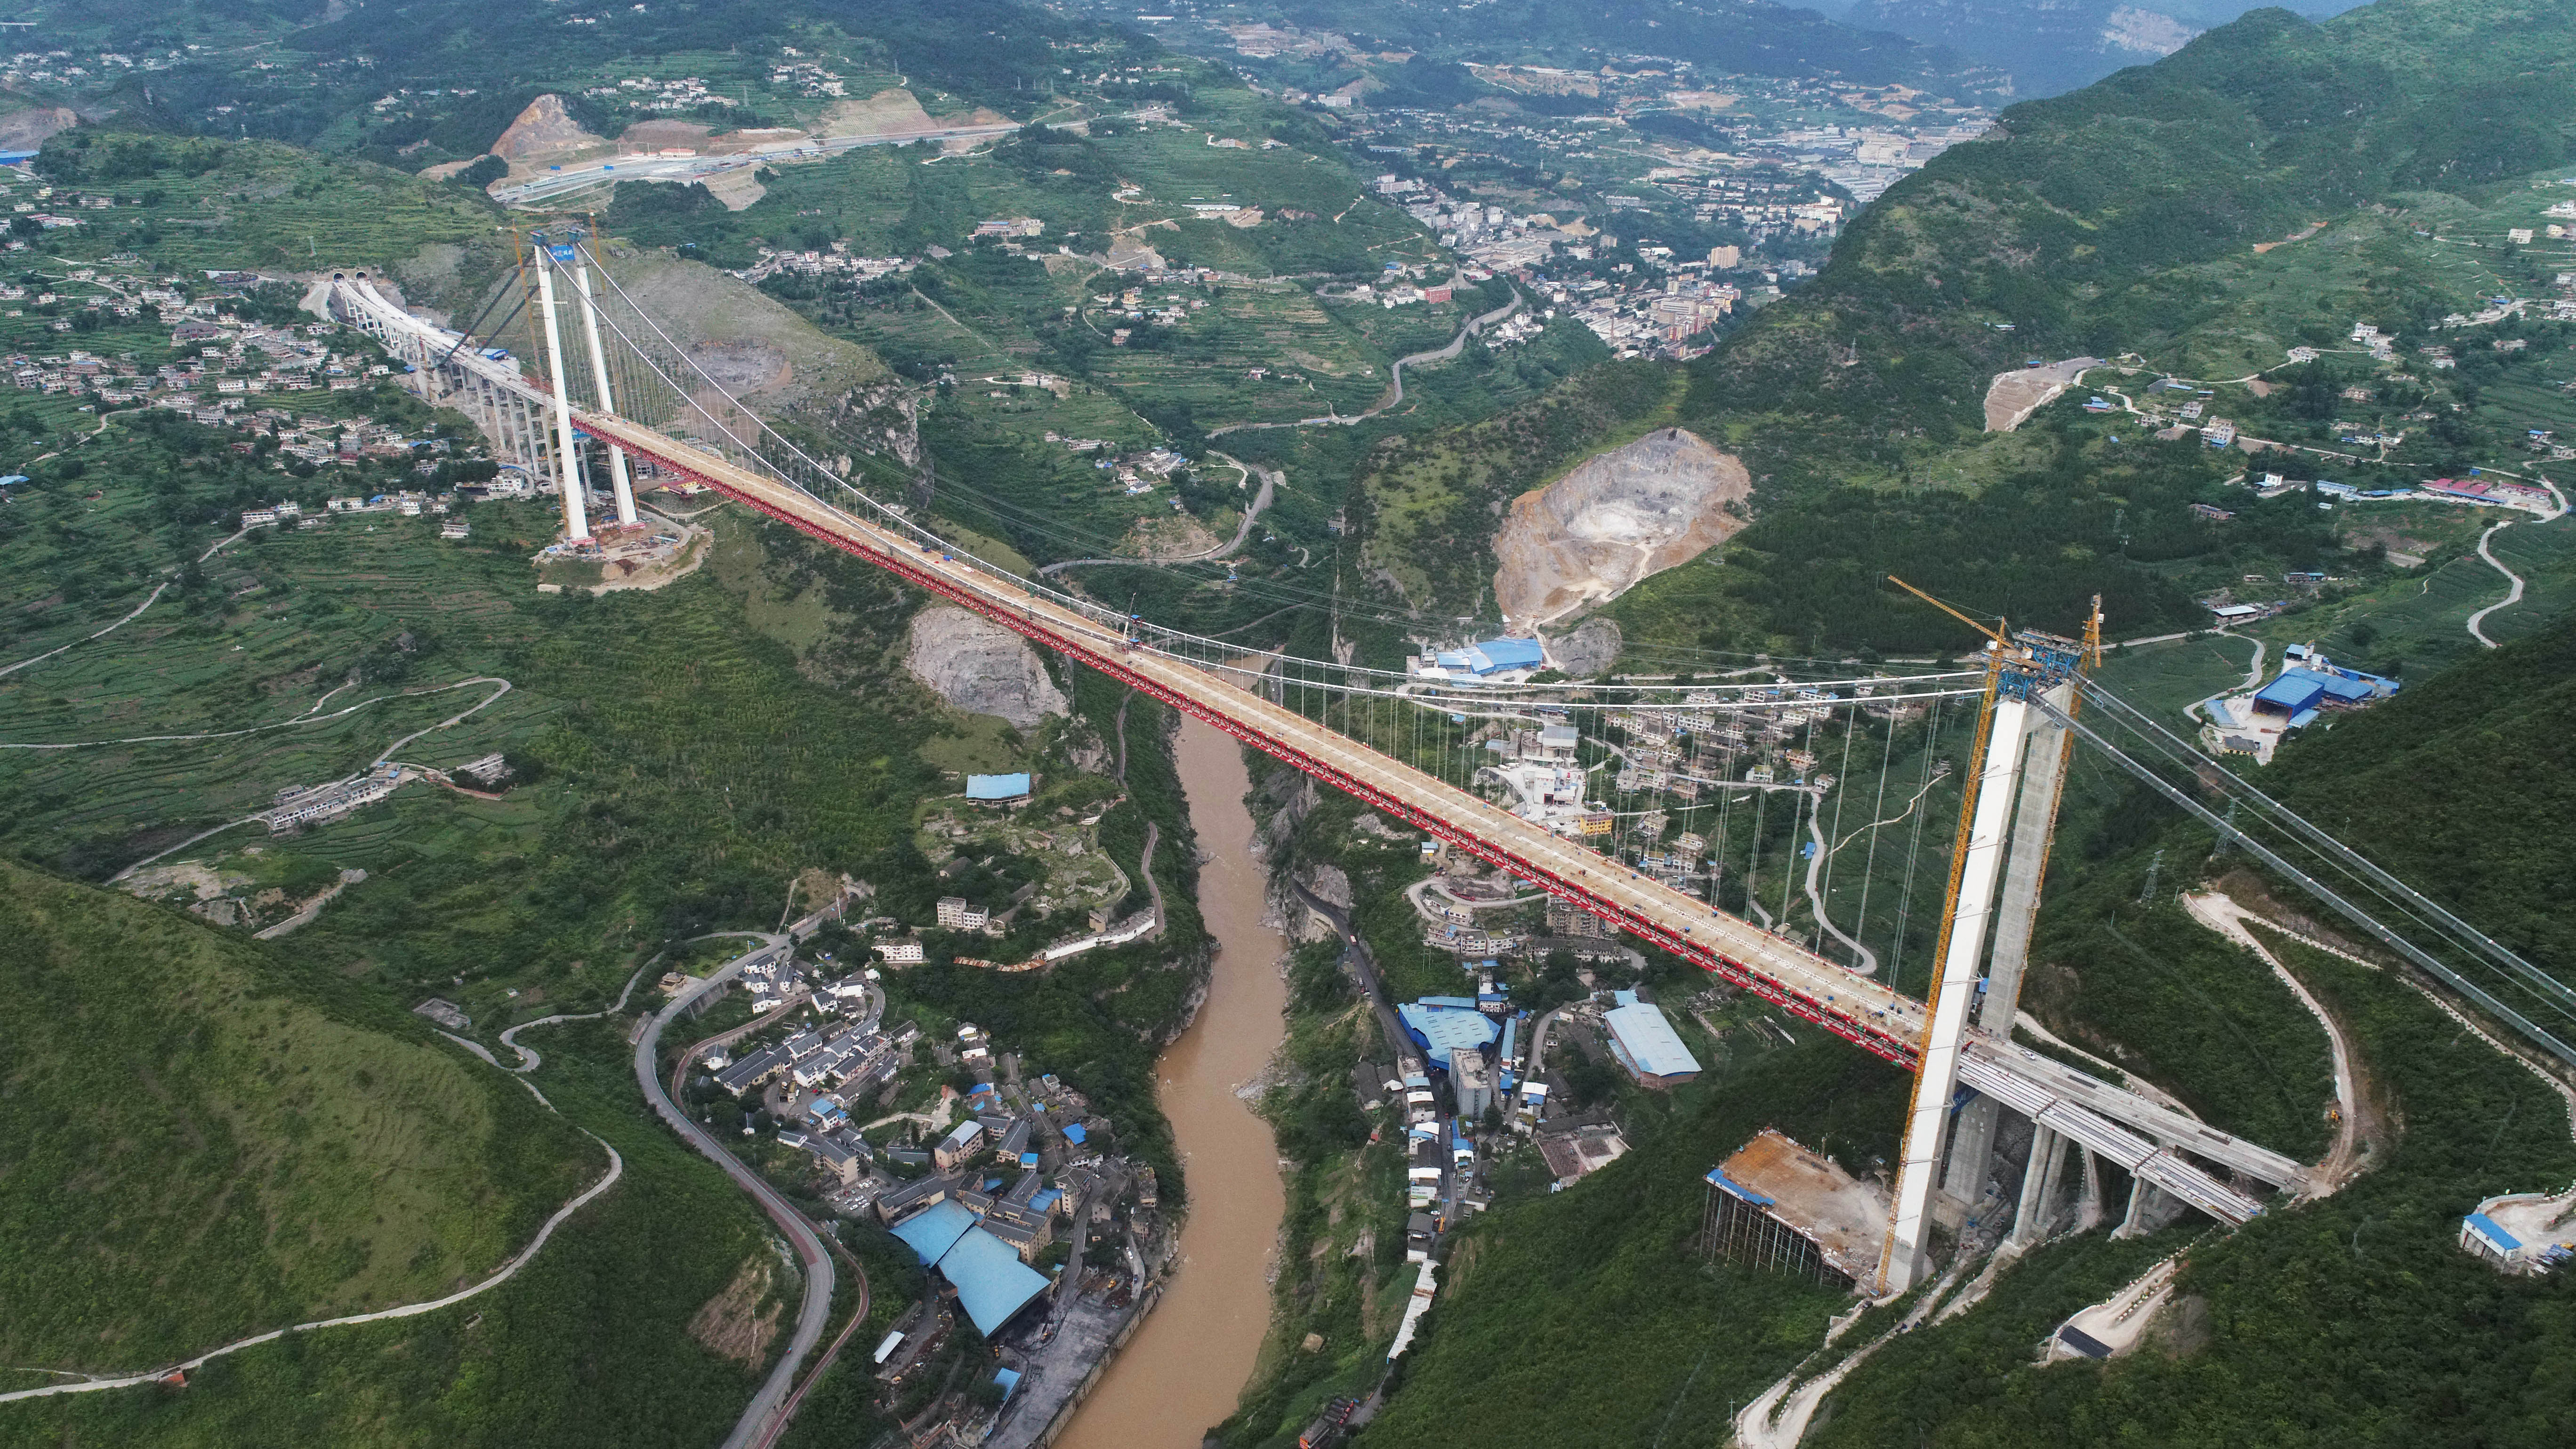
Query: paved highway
{"x": 561, "y": 180}
{"x": 767, "y": 1410}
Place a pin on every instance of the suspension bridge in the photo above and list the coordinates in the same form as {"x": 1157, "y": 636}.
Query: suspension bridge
{"x": 629, "y": 400}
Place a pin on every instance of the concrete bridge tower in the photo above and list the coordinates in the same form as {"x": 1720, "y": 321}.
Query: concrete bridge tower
{"x": 1996, "y": 869}
{"x": 576, "y": 512}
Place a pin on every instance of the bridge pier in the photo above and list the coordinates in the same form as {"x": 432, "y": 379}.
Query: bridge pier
{"x": 2144, "y": 1199}
{"x": 576, "y": 513}
{"x": 1937, "y": 1077}
{"x": 2038, "y": 1186}
{"x": 2043, "y": 774}
{"x": 620, "y": 487}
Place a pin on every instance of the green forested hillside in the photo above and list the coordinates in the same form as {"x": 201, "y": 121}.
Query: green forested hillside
{"x": 2073, "y": 222}
{"x": 1588, "y": 1318}
{"x": 2465, "y": 785}
{"x": 588, "y": 1347}
{"x": 196, "y": 1145}
{"x": 2265, "y": 188}
{"x": 311, "y": 72}
{"x": 2355, "y": 1319}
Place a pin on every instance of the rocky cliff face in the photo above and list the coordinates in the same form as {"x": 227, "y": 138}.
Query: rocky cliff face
{"x": 981, "y": 667}
{"x": 544, "y": 130}
{"x": 882, "y": 419}
{"x": 1587, "y": 652}
{"x": 26, "y": 130}
{"x": 1591, "y": 535}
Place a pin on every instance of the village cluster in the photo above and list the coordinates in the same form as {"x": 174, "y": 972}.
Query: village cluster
{"x": 1004, "y": 1183}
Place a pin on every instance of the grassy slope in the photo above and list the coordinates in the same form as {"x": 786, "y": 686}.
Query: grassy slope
{"x": 197, "y": 1150}
{"x": 587, "y": 1348}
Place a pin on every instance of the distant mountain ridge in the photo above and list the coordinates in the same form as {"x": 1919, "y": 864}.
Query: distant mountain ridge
{"x": 2072, "y": 219}
{"x": 1752, "y": 37}
{"x": 2053, "y": 46}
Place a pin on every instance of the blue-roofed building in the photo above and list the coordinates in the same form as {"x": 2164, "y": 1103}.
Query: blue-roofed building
{"x": 997, "y": 789}
{"x": 2486, "y": 1238}
{"x": 1646, "y": 1044}
{"x": 1496, "y": 655}
{"x": 2306, "y": 689}
{"x": 1074, "y": 1133}
{"x": 2300, "y": 689}
{"x": 1444, "y": 1024}
{"x": 931, "y": 1234}
{"x": 1009, "y": 1379}
{"x": 992, "y": 1283}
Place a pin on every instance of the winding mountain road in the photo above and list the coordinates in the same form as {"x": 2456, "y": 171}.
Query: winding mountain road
{"x": 1394, "y": 395}
{"x": 2513, "y": 596}
{"x": 2221, "y": 913}
{"x": 149, "y": 600}
{"x": 529, "y": 1061}
{"x": 761, "y": 1417}
{"x": 1270, "y": 478}
{"x": 507, "y": 1271}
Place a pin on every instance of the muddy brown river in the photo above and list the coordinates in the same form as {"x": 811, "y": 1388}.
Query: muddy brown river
{"x": 1182, "y": 1372}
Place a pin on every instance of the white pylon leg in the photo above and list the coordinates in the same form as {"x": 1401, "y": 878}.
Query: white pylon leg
{"x": 618, "y": 484}
{"x": 568, "y": 460}
{"x": 1938, "y": 1077}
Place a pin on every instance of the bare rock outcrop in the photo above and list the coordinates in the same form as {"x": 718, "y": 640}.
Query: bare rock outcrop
{"x": 544, "y": 129}
{"x": 883, "y": 419}
{"x": 1620, "y": 516}
{"x": 981, "y": 667}
{"x": 1588, "y": 651}
{"x": 27, "y": 129}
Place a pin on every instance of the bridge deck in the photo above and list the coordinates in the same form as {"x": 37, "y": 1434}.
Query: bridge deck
{"x": 1850, "y": 1004}
{"x": 1856, "y": 1007}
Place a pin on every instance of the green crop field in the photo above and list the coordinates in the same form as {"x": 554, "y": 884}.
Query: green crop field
{"x": 189, "y": 205}
{"x": 1203, "y": 365}
{"x": 2168, "y": 679}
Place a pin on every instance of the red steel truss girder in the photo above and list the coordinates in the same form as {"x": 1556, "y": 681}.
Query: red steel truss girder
{"x": 1898, "y": 1052}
